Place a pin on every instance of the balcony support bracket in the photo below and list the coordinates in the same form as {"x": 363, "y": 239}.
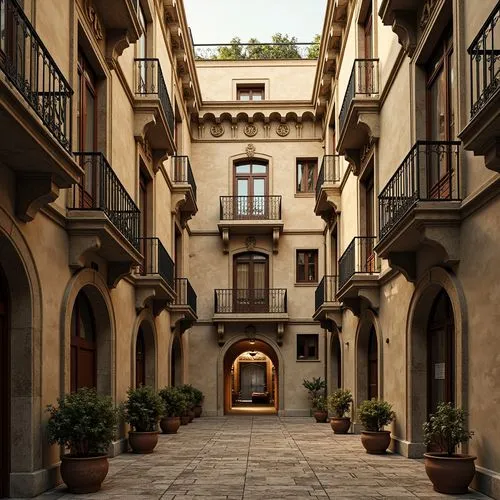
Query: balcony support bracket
{"x": 142, "y": 297}
{"x": 280, "y": 331}
{"x": 446, "y": 238}
{"x": 34, "y": 191}
{"x": 353, "y": 304}
{"x": 220, "y": 334}
{"x": 372, "y": 295}
{"x": 117, "y": 271}
{"x": 405, "y": 263}
{"x": 143, "y": 120}
{"x": 404, "y": 26}
{"x": 79, "y": 246}
{"x": 116, "y": 42}
{"x": 276, "y": 239}
{"x": 225, "y": 239}
{"x": 353, "y": 157}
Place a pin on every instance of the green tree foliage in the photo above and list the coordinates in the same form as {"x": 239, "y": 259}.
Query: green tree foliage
{"x": 231, "y": 52}
{"x": 143, "y": 409}
{"x": 313, "y": 50}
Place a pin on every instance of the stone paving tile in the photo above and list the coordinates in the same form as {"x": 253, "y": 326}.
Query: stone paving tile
{"x": 261, "y": 458}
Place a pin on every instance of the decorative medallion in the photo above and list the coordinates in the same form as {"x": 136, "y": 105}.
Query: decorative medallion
{"x": 95, "y": 23}
{"x": 426, "y": 13}
{"x": 217, "y": 130}
{"x": 282, "y": 129}
{"x": 251, "y": 242}
{"x": 250, "y": 150}
{"x": 250, "y": 130}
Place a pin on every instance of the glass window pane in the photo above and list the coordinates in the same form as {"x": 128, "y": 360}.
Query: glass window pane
{"x": 242, "y": 187}
{"x": 243, "y": 169}
{"x": 259, "y": 169}
{"x": 257, "y": 97}
{"x": 259, "y": 187}
{"x": 300, "y": 174}
{"x": 311, "y": 172}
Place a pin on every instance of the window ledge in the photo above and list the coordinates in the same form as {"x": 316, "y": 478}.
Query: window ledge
{"x": 308, "y": 360}
{"x": 305, "y": 195}
{"x": 306, "y": 283}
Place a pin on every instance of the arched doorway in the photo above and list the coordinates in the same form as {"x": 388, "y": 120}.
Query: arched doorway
{"x": 372, "y": 364}
{"x": 4, "y": 386}
{"x": 176, "y": 362}
{"x": 251, "y": 384}
{"x": 145, "y": 355}
{"x": 336, "y": 363}
{"x": 140, "y": 359}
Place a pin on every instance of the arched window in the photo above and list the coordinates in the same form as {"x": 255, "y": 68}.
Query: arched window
{"x": 251, "y": 188}
{"x": 83, "y": 344}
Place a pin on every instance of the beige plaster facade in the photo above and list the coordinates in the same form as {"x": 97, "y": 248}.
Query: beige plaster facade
{"x": 170, "y": 130}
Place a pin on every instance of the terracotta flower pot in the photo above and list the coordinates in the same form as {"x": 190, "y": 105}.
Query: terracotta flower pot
{"x": 191, "y": 415}
{"x": 451, "y": 475}
{"x": 170, "y": 425}
{"x": 84, "y": 475}
{"x": 320, "y": 416}
{"x": 340, "y": 425}
{"x": 376, "y": 442}
{"x": 143, "y": 442}
{"x": 184, "y": 419}
{"x": 197, "y": 411}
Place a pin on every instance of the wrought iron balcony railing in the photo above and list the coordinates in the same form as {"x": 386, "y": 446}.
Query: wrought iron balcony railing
{"x": 250, "y": 207}
{"x": 183, "y": 172}
{"x": 364, "y": 81}
{"x": 326, "y": 291}
{"x": 257, "y": 50}
{"x": 359, "y": 258}
{"x": 100, "y": 189}
{"x": 484, "y": 54}
{"x": 156, "y": 260}
{"x": 31, "y": 69}
{"x": 150, "y": 81}
{"x": 262, "y": 300}
{"x": 186, "y": 296}
{"x": 329, "y": 172}
{"x": 430, "y": 172}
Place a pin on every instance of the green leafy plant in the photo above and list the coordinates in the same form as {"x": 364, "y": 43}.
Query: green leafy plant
{"x": 143, "y": 409}
{"x": 188, "y": 391}
{"x": 198, "y": 396}
{"x": 375, "y": 413}
{"x": 314, "y": 387}
{"x": 319, "y": 403}
{"x": 339, "y": 402}
{"x": 174, "y": 402}
{"x": 313, "y": 49}
{"x": 83, "y": 421}
{"x": 446, "y": 428}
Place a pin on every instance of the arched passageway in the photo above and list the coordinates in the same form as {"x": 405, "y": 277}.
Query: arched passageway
{"x": 176, "y": 362}
{"x": 336, "y": 363}
{"x": 145, "y": 355}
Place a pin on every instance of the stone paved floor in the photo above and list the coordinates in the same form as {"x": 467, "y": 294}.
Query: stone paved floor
{"x": 261, "y": 457}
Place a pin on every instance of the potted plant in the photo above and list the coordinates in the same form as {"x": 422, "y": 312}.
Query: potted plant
{"x": 198, "y": 401}
{"x": 339, "y": 404}
{"x": 320, "y": 409}
{"x": 449, "y": 472}
{"x": 188, "y": 415}
{"x": 315, "y": 388}
{"x": 174, "y": 405}
{"x": 142, "y": 410}
{"x": 83, "y": 422}
{"x": 374, "y": 414}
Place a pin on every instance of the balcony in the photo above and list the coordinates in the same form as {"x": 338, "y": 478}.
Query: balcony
{"x": 359, "y": 269}
{"x": 402, "y": 16}
{"x": 36, "y": 110}
{"x": 183, "y": 312}
{"x": 154, "y": 116}
{"x": 154, "y": 277}
{"x": 266, "y": 305}
{"x": 183, "y": 189}
{"x": 359, "y": 114}
{"x": 102, "y": 219}
{"x": 482, "y": 133}
{"x": 250, "y": 215}
{"x": 328, "y": 309}
{"x": 328, "y": 188}
{"x": 420, "y": 206}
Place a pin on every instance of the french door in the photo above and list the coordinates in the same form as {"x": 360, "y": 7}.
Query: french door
{"x": 251, "y": 283}
{"x": 251, "y": 188}
{"x": 370, "y": 225}
{"x": 372, "y": 364}
{"x": 4, "y": 388}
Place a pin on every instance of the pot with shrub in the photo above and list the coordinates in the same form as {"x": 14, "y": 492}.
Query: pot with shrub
{"x": 198, "y": 401}
{"x": 320, "y": 409}
{"x": 339, "y": 404}
{"x": 174, "y": 404}
{"x": 315, "y": 387}
{"x": 83, "y": 422}
{"x": 374, "y": 415}
{"x": 188, "y": 415}
{"x": 142, "y": 410}
{"x": 448, "y": 471}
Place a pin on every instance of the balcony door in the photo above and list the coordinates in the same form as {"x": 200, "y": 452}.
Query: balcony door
{"x": 251, "y": 282}
{"x": 4, "y": 388}
{"x": 367, "y": 248}
{"x": 251, "y": 189}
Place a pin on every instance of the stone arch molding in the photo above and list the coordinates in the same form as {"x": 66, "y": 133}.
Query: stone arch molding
{"x": 426, "y": 290}
{"x": 146, "y": 318}
{"x": 220, "y": 370}
{"x": 100, "y": 299}
{"x": 26, "y": 456}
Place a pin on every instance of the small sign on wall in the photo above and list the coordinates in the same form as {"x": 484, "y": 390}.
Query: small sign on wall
{"x": 439, "y": 371}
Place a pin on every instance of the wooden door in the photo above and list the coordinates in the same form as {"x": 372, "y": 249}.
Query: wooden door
{"x": 372, "y": 364}
{"x": 252, "y": 379}
{"x": 140, "y": 359}
{"x": 368, "y": 244}
{"x": 251, "y": 283}
{"x": 4, "y": 388}
{"x": 83, "y": 345}
{"x": 440, "y": 344}
{"x": 251, "y": 188}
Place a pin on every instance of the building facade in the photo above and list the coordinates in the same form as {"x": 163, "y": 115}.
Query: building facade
{"x": 242, "y": 225}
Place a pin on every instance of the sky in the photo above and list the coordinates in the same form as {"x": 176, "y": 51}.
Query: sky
{"x": 217, "y": 21}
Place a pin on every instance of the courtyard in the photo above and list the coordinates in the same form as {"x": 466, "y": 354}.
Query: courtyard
{"x": 261, "y": 457}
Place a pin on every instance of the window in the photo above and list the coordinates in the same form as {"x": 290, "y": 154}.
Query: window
{"x": 307, "y": 347}
{"x": 250, "y": 92}
{"x": 307, "y": 174}
{"x": 307, "y": 266}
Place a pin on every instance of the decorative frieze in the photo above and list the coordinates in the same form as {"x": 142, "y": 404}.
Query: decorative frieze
{"x": 250, "y": 130}
{"x": 217, "y": 130}
{"x": 283, "y": 129}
